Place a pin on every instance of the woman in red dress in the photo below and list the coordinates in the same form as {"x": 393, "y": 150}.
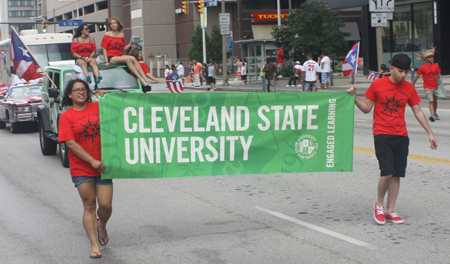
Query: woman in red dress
{"x": 83, "y": 49}
{"x": 113, "y": 45}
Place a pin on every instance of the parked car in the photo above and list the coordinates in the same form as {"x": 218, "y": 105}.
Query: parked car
{"x": 116, "y": 79}
{"x": 15, "y": 106}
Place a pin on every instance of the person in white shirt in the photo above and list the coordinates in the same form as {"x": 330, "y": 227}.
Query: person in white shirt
{"x": 167, "y": 72}
{"x": 325, "y": 69}
{"x": 297, "y": 75}
{"x": 180, "y": 71}
{"x": 310, "y": 71}
{"x": 15, "y": 79}
{"x": 244, "y": 72}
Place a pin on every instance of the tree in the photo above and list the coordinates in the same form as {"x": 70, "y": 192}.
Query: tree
{"x": 195, "y": 52}
{"x": 313, "y": 29}
{"x": 214, "y": 49}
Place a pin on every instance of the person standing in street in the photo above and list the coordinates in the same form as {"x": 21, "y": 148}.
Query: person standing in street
{"x": 197, "y": 72}
{"x": 325, "y": 69}
{"x": 389, "y": 97}
{"x": 79, "y": 129}
{"x": 280, "y": 58}
{"x": 430, "y": 71}
{"x": 271, "y": 70}
{"x": 238, "y": 64}
{"x": 180, "y": 71}
{"x": 212, "y": 75}
{"x": 310, "y": 72}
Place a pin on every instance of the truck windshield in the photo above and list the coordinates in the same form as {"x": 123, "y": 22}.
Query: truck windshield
{"x": 51, "y": 52}
{"x": 119, "y": 78}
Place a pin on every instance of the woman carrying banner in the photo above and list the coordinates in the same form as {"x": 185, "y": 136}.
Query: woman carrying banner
{"x": 113, "y": 45}
{"x": 79, "y": 129}
{"x": 83, "y": 49}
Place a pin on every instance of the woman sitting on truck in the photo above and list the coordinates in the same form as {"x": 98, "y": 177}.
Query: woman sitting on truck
{"x": 113, "y": 45}
{"x": 137, "y": 53}
{"x": 83, "y": 49}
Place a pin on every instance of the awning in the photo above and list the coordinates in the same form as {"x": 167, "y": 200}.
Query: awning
{"x": 262, "y": 31}
{"x": 352, "y": 28}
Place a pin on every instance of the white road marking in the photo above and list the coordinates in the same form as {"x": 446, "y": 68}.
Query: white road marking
{"x": 318, "y": 228}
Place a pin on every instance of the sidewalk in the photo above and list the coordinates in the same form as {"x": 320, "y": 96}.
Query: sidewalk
{"x": 362, "y": 84}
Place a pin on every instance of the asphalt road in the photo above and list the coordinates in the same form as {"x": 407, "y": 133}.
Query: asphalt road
{"x": 282, "y": 218}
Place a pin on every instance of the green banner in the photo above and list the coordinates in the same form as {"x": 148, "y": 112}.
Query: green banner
{"x": 211, "y": 134}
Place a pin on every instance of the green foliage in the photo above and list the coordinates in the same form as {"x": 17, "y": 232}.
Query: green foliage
{"x": 195, "y": 52}
{"x": 338, "y": 68}
{"x": 213, "y": 45}
{"x": 313, "y": 29}
{"x": 286, "y": 72}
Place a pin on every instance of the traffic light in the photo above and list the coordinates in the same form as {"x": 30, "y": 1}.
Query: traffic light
{"x": 184, "y": 7}
{"x": 200, "y": 6}
{"x": 44, "y": 26}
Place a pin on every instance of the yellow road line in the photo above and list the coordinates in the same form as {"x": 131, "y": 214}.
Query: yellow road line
{"x": 410, "y": 156}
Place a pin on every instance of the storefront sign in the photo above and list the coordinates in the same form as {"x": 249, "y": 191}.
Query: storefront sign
{"x": 202, "y": 134}
{"x": 268, "y": 16}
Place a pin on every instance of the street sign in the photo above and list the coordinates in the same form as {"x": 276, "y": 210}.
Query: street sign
{"x": 390, "y": 16}
{"x": 379, "y": 20}
{"x": 381, "y": 5}
{"x": 211, "y": 3}
{"x": 70, "y": 23}
{"x": 224, "y": 19}
{"x": 224, "y": 30}
{"x": 230, "y": 42}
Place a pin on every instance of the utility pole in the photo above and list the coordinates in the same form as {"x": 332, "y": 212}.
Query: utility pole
{"x": 279, "y": 13}
{"x": 224, "y": 53}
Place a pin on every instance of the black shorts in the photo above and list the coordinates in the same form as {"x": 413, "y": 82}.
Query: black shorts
{"x": 392, "y": 154}
{"x": 244, "y": 77}
{"x": 211, "y": 80}
{"x": 109, "y": 58}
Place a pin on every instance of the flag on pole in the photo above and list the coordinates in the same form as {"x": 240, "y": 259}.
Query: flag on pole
{"x": 2, "y": 54}
{"x": 351, "y": 62}
{"x": 175, "y": 86}
{"x": 24, "y": 63}
{"x": 372, "y": 75}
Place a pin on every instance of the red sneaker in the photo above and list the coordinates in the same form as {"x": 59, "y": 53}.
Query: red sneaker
{"x": 394, "y": 218}
{"x": 378, "y": 214}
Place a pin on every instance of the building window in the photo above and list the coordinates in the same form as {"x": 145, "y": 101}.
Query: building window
{"x": 102, "y": 5}
{"x": 89, "y": 9}
{"x": 28, "y": 13}
{"x": 21, "y": 3}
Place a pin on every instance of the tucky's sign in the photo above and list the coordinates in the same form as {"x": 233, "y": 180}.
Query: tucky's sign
{"x": 202, "y": 134}
{"x": 268, "y": 16}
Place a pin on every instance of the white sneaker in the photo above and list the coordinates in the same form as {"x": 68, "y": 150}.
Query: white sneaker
{"x": 292, "y": 85}
{"x": 299, "y": 85}
{"x": 288, "y": 85}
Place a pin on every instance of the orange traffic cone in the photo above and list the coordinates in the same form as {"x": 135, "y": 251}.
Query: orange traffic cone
{"x": 189, "y": 79}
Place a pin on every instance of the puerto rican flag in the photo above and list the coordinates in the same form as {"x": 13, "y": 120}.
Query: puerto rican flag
{"x": 351, "y": 62}
{"x": 175, "y": 86}
{"x": 24, "y": 64}
{"x": 372, "y": 75}
{"x": 3, "y": 54}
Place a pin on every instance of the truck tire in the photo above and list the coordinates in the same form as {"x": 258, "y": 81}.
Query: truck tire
{"x": 13, "y": 127}
{"x": 64, "y": 154}
{"x": 2, "y": 125}
{"x": 48, "y": 146}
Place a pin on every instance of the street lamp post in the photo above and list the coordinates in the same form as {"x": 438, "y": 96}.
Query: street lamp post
{"x": 74, "y": 2}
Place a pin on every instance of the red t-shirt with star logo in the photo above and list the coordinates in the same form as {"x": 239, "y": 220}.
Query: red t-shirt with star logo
{"x": 429, "y": 74}
{"x": 390, "y": 103}
{"x": 114, "y": 45}
{"x": 84, "y": 127}
{"x": 83, "y": 49}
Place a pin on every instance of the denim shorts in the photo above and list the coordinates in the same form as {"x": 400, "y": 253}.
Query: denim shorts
{"x": 325, "y": 77}
{"x": 97, "y": 180}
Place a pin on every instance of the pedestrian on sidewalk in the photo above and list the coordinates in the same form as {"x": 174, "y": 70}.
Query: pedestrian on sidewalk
{"x": 384, "y": 71}
{"x": 244, "y": 72}
{"x": 325, "y": 69}
{"x": 238, "y": 64}
{"x": 197, "y": 71}
{"x": 212, "y": 76}
{"x": 271, "y": 71}
{"x": 297, "y": 75}
{"x": 310, "y": 72}
{"x": 263, "y": 78}
{"x": 388, "y": 97}
{"x": 204, "y": 76}
{"x": 430, "y": 71}
{"x": 180, "y": 71}
{"x": 280, "y": 58}
{"x": 79, "y": 129}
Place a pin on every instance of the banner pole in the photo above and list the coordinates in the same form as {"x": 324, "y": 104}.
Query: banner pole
{"x": 34, "y": 57}
{"x": 357, "y": 58}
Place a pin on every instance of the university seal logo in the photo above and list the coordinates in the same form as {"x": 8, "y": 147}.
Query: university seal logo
{"x": 306, "y": 146}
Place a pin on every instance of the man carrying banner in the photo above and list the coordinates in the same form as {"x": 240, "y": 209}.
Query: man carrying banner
{"x": 388, "y": 97}
{"x": 429, "y": 71}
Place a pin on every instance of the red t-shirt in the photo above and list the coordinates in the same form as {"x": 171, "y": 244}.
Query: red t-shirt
{"x": 144, "y": 67}
{"x": 429, "y": 73}
{"x": 114, "y": 45}
{"x": 84, "y": 127}
{"x": 390, "y": 103}
{"x": 280, "y": 56}
{"x": 83, "y": 49}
